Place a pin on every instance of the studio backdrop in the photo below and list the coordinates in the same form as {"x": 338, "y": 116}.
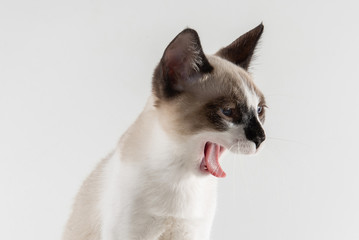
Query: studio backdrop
{"x": 75, "y": 74}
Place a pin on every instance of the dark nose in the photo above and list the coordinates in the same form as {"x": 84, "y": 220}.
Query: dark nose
{"x": 254, "y": 132}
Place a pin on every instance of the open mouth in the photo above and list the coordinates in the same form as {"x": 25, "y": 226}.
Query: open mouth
{"x": 210, "y": 160}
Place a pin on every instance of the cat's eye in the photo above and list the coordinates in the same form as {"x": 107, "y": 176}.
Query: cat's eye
{"x": 227, "y": 111}
{"x": 259, "y": 109}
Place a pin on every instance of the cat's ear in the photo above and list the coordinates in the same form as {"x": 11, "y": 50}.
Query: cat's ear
{"x": 240, "y": 52}
{"x": 182, "y": 63}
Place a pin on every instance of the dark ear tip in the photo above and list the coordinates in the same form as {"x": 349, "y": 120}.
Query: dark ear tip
{"x": 190, "y": 31}
{"x": 259, "y": 28}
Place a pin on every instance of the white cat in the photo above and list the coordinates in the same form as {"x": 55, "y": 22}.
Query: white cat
{"x": 160, "y": 182}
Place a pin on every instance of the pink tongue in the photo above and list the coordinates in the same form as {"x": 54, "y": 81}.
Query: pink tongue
{"x": 211, "y": 156}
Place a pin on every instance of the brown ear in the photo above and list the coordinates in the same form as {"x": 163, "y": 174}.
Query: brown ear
{"x": 182, "y": 63}
{"x": 240, "y": 51}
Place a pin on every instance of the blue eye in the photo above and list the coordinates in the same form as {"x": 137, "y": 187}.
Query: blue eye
{"x": 259, "y": 109}
{"x": 227, "y": 111}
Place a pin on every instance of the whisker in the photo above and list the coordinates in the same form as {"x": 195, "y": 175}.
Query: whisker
{"x": 289, "y": 140}
{"x": 280, "y": 95}
{"x": 233, "y": 145}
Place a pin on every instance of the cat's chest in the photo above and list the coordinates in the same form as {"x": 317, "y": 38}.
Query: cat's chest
{"x": 190, "y": 198}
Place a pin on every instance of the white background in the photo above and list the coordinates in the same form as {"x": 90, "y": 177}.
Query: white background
{"x": 75, "y": 74}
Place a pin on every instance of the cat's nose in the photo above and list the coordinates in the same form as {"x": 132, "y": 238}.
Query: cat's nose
{"x": 254, "y": 132}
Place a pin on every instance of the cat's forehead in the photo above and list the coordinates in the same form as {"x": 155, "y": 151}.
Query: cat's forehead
{"x": 227, "y": 80}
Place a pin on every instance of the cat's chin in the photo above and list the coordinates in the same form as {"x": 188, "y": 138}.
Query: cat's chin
{"x": 244, "y": 147}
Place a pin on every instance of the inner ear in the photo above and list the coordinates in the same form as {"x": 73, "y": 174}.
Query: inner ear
{"x": 240, "y": 52}
{"x": 183, "y": 62}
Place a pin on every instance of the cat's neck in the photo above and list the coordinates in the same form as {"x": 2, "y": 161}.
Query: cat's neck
{"x": 146, "y": 141}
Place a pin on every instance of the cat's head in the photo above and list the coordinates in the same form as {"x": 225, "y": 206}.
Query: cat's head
{"x": 211, "y": 96}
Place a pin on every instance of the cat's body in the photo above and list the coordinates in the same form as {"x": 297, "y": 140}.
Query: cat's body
{"x": 160, "y": 182}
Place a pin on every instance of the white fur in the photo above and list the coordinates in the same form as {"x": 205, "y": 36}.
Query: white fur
{"x": 154, "y": 191}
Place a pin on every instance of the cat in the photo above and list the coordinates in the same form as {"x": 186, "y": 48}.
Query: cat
{"x": 160, "y": 182}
